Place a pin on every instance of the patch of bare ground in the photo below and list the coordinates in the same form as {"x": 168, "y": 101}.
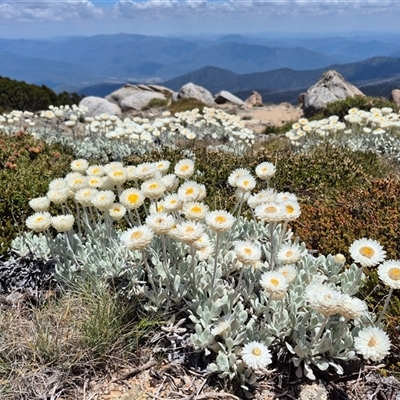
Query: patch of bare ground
{"x": 174, "y": 381}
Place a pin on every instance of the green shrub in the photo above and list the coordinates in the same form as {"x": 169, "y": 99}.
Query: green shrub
{"x": 341, "y": 107}
{"x": 26, "y": 168}
{"x": 16, "y": 95}
{"x": 185, "y": 105}
{"x": 155, "y": 103}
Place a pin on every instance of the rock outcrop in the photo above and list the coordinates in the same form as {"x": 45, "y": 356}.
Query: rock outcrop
{"x": 254, "y": 100}
{"x": 331, "y": 87}
{"x": 98, "y": 105}
{"x": 224, "y": 97}
{"x": 137, "y": 96}
{"x": 139, "y": 99}
{"x": 395, "y": 97}
{"x": 190, "y": 90}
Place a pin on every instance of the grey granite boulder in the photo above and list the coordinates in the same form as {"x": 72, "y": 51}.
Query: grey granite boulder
{"x": 255, "y": 99}
{"x": 226, "y": 97}
{"x": 190, "y": 90}
{"x": 120, "y": 94}
{"x": 395, "y": 97}
{"x": 139, "y": 99}
{"x": 98, "y": 105}
{"x": 331, "y": 87}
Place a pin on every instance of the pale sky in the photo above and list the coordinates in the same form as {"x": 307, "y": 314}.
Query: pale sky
{"x": 35, "y": 19}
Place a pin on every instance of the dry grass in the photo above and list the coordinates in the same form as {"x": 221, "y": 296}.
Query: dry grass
{"x": 55, "y": 347}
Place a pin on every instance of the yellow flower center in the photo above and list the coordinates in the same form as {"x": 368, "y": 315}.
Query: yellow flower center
{"x": 118, "y": 173}
{"x": 133, "y": 198}
{"x": 271, "y": 209}
{"x": 136, "y": 235}
{"x": 248, "y": 250}
{"x": 189, "y": 229}
{"x": 289, "y": 209}
{"x": 189, "y": 191}
{"x": 246, "y": 183}
{"x": 39, "y": 219}
{"x": 372, "y": 342}
{"x": 274, "y": 282}
{"x": 394, "y": 273}
{"x": 256, "y": 351}
{"x": 153, "y": 186}
{"x": 289, "y": 253}
{"x": 367, "y": 251}
{"x": 78, "y": 181}
{"x": 196, "y": 209}
{"x": 96, "y": 171}
{"x": 220, "y": 219}
{"x": 184, "y": 167}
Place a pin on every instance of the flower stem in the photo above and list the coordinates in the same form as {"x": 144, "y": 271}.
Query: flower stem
{"x": 384, "y": 307}
{"x": 215, "y": 266}
{"x": 321, "y": 329}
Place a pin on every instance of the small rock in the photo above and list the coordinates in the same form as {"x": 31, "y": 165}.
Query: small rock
{"x": 313, "y": 392}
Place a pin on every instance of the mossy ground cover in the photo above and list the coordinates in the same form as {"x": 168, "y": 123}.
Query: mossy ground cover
{"x": 344, "y": 195}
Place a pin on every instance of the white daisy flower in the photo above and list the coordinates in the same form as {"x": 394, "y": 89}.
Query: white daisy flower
{"x": 290, "y": 253}
{"x": 117, "y": 175}
{"x": 95, "y": 170}
{"x": 289, "y": 271}
{"x": 247, "y": 252}
{"x": 40, "y": 204}
{"x": 220, "y": 220}
{"x": 352, "y": 307}
{"x": 171, "y": 182}
{"x": 137, "y": 238}
{"x": 202, "y": 242}
{"x": 76, "y": 182}
{"x": 184, "y": 168}
{"x": 264, "y": 196}
{"x": 246, "y": 183}
{"x": 205, "y": 253}
{"x": 292, "y": 210}
{"x": 265, "y": 170}
{"x": 163, "y": 166}
{"x": 153, "y": 189}
{"x": 39, "y": 221}
{"x": 323, "y": 298}
{"x": 58, "y": 183}
{"x": 172, "y": 203}
{"x": 372, "y": 343}
{"x": 160, "y": 222}
{"x": 367, "y": 252}
{"x": 195, "y": 210}
{"x": 58, "y": 196}
{"x": 389, "y": 273}
{"x": 256, "y": 355}
{"x": 189, "y": 191}
{"x": 117, "y": 211}
{"x": 62, "y": 223}
{"x": 80, "y": 165}
{"x": 270, "y": 212}
{"x": 146, "y": 171}
{"x": 275, "y": 284}
{"x": 103, "y": 200}
{"x": 188, "y": 231}
{"x": 237, "y": 173}
{"x": 132, "y": 198}
{"x": 84, "y": 196}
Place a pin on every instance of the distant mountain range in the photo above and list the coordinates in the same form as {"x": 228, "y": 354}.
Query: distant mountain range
{"x": 70, "y": 63}
{"x": 376, "y": 76}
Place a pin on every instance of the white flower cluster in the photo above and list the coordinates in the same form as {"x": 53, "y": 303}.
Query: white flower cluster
{"x": 376, "y": 130}
{"x": 249, "y": 287}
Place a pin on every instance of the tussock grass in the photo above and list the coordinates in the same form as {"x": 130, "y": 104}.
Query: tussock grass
{"x": 64, "y": 341}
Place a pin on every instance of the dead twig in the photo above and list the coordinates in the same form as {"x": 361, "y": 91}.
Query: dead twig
{"x": 136, "y": 371}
